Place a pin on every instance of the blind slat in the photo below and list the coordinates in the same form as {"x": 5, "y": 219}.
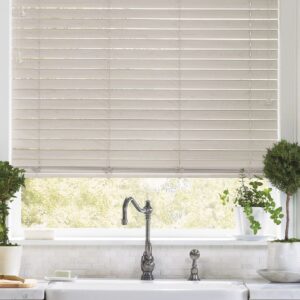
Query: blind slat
{"x": 145, "y": 94}
{"x": 144, "y": 43}
{"x": 152, "y": 34}
{"x": 144, "y": 104}
{"x": 234, "y": 4}
{"x": 149, "y": 133}
{"x": 131, "y": 54}
{"x": 151, "y": 13}
{"x": 126, "y": 23}
{"x": 127, "y": 144}
{"x": 132, "y": 127}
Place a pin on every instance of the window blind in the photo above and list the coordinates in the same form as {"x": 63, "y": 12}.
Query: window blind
{"x": 143, "y": 87}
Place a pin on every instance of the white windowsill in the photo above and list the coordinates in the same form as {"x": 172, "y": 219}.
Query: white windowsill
{"x": 140, "y": 242}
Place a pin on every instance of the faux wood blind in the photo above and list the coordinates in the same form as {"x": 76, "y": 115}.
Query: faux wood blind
{"x": 144, "y": 86}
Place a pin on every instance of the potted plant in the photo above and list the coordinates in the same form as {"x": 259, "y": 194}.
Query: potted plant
{"x": 282, "y": 168}
{"x": 253, "y": 202}
{"x": 11, "y": 179}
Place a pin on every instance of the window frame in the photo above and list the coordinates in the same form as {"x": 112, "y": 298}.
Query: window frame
{"x": 289, "y": 79}
{"x": 17, "y": 231}
{"x": 289, "y": 123}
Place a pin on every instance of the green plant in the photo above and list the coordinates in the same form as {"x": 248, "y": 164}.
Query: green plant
{"x": 11, "y": 179}
{"x": 252, "y": 194}
{"x": 282, "y": 168}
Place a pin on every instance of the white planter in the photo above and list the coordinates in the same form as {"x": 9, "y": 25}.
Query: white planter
{"x": 284, "y": 256}
{"x": 243, "y": 225}
{"x": 10, "y": 260}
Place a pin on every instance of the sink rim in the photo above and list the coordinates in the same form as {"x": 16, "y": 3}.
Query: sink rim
{"x": 155, "y": 285}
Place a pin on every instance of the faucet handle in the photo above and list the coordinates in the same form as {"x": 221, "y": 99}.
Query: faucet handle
{"x": 194, "y": 255}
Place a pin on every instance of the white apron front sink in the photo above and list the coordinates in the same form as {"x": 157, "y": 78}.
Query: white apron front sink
{"x": 146, "y": 290}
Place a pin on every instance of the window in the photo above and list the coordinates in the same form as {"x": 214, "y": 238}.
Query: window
{"x": 138, "y": 88}
{"x": 191, "y": 203}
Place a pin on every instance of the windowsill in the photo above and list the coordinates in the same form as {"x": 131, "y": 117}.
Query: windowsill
{"x": 140, "y": 242}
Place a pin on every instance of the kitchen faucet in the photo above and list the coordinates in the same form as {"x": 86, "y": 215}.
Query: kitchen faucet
{"x": 147, "y": 261}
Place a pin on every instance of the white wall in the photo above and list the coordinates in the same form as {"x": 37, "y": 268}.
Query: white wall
{"x": 220, "y": 262}
{"x": 4, "y": 78}
{"x": 288, "y": 70}
{"x": 290, "y": 85}
{"x": 297, "y": 210}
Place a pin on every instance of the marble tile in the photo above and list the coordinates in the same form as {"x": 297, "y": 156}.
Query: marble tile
{"x": 222, "y": 262}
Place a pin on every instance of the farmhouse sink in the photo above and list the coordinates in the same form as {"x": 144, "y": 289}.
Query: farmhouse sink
{"x": 147, "y": 290}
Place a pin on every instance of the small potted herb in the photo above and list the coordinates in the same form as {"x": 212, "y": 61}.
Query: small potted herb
{"x": 253, "y": 202}
{"x": 282, "y": 168}
{"x": 11, "y": 180}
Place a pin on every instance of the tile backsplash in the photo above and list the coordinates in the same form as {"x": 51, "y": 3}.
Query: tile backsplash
{"x": 218, "y": 262}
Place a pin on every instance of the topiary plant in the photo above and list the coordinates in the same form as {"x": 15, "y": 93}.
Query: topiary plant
{"x": 253, "y": 195}
{"x": 11, "y": 179}
{"x": 282, "y": 168}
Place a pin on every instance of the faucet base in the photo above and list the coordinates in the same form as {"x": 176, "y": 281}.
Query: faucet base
{"x": 147, "y": 266}
{"x": 147, "y": 276}
{"x": 194, "y": 277}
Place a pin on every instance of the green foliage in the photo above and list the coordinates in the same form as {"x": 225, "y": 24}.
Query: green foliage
{"x": 253, "y": 194}
{"x": 190, "y": 203}
{"x": 11, "y": 179}
{"x": 282, "y": 166}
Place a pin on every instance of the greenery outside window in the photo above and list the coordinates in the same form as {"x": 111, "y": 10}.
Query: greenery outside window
{"x": 186, "y": 203}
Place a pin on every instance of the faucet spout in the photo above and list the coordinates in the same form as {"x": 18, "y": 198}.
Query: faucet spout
{"x": 124, "y": 210}
{"x": 125, "y": 207}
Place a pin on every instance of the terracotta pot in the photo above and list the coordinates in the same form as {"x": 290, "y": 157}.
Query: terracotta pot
{"x": 10, "y": 260}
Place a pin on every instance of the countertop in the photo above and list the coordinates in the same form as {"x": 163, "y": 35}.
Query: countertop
{"x": 258, "y": 290}
{"x": 264, "y": 290}
{"x": 36, "y": 293}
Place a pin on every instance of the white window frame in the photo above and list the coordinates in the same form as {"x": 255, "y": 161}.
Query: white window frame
{"x": 5, "y": 84}
{"x": 289, "y": 101}
{"x": 289, "y": 122}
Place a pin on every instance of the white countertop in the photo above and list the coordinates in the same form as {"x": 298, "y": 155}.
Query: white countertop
{"x": 264, "y": 290}
{"x": 258, "y": 290}
{"x": 36, "y": 293}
